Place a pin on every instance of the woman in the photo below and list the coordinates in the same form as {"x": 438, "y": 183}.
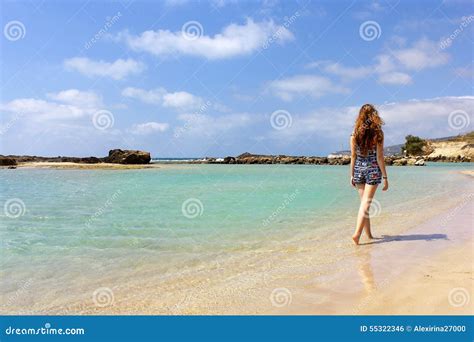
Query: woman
{"x": 367, "y": 164}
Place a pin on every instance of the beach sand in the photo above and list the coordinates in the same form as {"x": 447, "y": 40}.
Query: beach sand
{"x": 426, "y": 269}
{"x": 440, "y": 286}
{"x": 83, "y": 166}
{"x": 468, "y": 172}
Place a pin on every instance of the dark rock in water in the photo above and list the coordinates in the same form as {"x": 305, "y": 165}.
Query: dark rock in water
{"x": 90, "y": 160}
{"x": 127, "y": 157}
{"x": 245, "y": 155}
{"x": 229, "y": 160}
{"x": 400, "y": 162}
{"x": 7, "y": 161}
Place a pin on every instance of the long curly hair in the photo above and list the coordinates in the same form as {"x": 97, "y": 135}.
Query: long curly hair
{"x": 368, "y": 128}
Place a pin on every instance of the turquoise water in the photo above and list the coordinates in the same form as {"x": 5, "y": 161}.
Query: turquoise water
{"x": 78, "y": 226}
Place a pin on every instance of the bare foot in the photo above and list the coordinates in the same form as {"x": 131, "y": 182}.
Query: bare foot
{"x": 371, "y": 237}
{"x": 356, "y": 239}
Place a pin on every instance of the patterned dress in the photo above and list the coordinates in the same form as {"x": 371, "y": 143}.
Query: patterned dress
{"x": 366, "y": 169}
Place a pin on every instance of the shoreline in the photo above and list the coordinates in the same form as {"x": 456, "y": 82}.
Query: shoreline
{"x": 83, "y": 166}
{"x": 158, "y": 165}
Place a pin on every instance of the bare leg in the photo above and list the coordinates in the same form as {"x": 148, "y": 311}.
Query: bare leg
{"x": 365, "y": 202}
{"x": 360, "y": 189}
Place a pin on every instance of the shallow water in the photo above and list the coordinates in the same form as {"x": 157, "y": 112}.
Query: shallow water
{"x": 78, "y": 230}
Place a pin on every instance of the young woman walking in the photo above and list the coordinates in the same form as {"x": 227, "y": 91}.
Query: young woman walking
{"x": 367, "y": 164}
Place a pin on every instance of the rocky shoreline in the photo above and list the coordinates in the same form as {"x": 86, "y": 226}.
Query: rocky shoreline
{"x": 135, "y": 157}
{"x": 116, "y": 156}
{"x": 396, "y": 160}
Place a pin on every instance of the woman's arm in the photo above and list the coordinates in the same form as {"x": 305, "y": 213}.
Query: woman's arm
{"x": 381, "y": 162}
{"x": 353, "y": 158}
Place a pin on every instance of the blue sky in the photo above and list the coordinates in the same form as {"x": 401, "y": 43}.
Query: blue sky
{"x": 214, "y": 78}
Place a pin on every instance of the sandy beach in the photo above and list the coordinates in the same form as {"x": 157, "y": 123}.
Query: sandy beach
{"x": 442, "y": 285}
{"x": 83, "y": 166}
{"x": 425, "y": 269}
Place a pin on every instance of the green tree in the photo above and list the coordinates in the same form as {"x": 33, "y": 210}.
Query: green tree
{"x": 413, "y": 145}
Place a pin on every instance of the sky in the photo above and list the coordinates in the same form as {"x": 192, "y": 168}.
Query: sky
{"x": 182, "y": 78}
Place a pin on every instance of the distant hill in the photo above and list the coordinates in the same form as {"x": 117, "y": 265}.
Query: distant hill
{"x": 461, "y": 144}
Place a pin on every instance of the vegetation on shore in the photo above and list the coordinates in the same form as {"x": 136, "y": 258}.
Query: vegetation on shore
{"x": 413, "y": 146}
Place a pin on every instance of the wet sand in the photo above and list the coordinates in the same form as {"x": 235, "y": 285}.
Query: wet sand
{"x": 83, "y": 166}
{"x": 411, "y": 271}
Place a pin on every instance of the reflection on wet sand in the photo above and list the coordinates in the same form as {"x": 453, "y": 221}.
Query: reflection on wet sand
{"x": 365, "y": 268}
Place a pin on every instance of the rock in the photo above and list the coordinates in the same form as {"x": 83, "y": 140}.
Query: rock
{"x": 7, "y": 161}
{"x": 411, "y": 161}
{"x": 420, "y": 162}
{"x": 127, "y": 157}
{"x": 90, "y": 160}
{"x": 389, "y": 160}
{"x": 229, "y": 160}
{"x": 245, "y": 155}
{"x": 400, "y": 162}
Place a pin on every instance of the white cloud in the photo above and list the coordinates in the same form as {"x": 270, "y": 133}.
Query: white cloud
{"x": 395, "y": 78}
{"x": 176, "y": 2}
{"x": 424, "y": 117}
{"x": 181, "y": 99}
{"x": 207, "y": 125}
{"x": 154, "y": 96}
{"x": 423, "y": 54}
{"x": 350, "y": 73}
{"x": 234, "y": 40}
{"x": 117, "y": 70}
{"x": 391, "y": 68}
{"x": 41, "y": 110}
{"x": 77, "y": 98}
{"x": 384, "y": 63}
{"x": 426, "y": 111}
{"x": 465, "y": 72}
{"x": 149, "y": 128}
{"x": 160, "y": 96}
{"x": 302, "y": 85}
{"x": 67, "y": 105}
